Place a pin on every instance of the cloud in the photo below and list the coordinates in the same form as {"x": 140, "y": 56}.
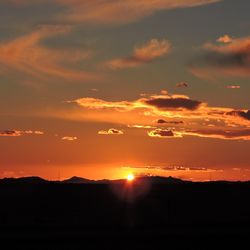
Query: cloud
{"x": 241, "y": 134}
{"x": 174, "y": 168}
{"x": 26, "y": 54}
{"x": 233, "y": 87}
{"x": 195, "y": 117}
{"x": 182, "y": 168}
{"x": 111, "y": 131}
{"x": 119, "y": 11}
{"x": 69, "y": 138}
{"x": 17, "y": 133}
{"x": 161, "y": 121}
{"x": 240, "y": 113}
{"x": 164, "y": 92}
{"x": 174, "y": 103}
{"x": 147, "y": 53}
{"x": 182, "y": 85}
{"x": 95, "y": 103}
{"x": 164, "y": 106}
{"x": 108, "y": 11}
{"x": 160, "y": 102}
{"x": 140, "y": 126}
{"x": 224, "y": 39}
{"x": 94, "y": 90}
{"x": 162, "y": 133}
{"x": 230, "y": 59}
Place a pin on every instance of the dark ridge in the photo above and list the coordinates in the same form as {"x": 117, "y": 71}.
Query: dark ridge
{"x": 24, "y": 180}
{"x": 77, "y": 180}
{"x": 138, "y": 180}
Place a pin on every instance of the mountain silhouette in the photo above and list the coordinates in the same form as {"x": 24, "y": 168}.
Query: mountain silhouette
{"x": 81, "y": 180}
{"x": 24, "y": 180}
{"x": 138, "y": 180}
{"x": 77, "y": 180}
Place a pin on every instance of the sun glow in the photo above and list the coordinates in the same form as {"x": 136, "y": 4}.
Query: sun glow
{"x": 130, "y": 177}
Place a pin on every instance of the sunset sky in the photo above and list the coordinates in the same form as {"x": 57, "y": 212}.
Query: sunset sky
{"x": 104, "y": 88}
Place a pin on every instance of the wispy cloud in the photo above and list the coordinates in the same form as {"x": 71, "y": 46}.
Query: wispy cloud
{"x": 147, "y": 53}
{"x": 110, "y": 11}
{"x": 181, "y": 85}
{"x": 239, "y": 134}
{"x": 26, "y": 54}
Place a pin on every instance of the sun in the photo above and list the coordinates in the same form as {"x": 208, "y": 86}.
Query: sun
{"x": 130, "y": 177}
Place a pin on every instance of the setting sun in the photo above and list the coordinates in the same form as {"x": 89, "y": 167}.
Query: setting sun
{"x": 130, "y": 177}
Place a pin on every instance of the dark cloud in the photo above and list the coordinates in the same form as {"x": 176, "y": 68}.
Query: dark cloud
{"x": 182, "y": 85}
{"x": 19, "y": 132}
{"x": 230, "y": 59}
{"x": 173, "y": 103}
{"x": 9, "y": 133}
{"x": 242, "y": 114}
{"x": 164, "y": 133}
{"x": 161, "y": 121}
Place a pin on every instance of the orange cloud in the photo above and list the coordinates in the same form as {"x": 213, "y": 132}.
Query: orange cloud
{"x": 163, "y": 133}
{"x": 119, "y": 11}
{"x": 233, "y": 86}
{"x": 69, "y": 138}
{"x": 154, "y": 102}
{"x": 239, "y": 134}
{"x": 111, "y": 131}
{"x": 245, "y": 114}
{"x": 17, "y": 133}
{"x": 225, "y": 39}
{"x": 149, "y": 52}
{"x": 111, "y": 11}
{"x": 140, "y": 126}
{"x": 163, "y": 106}
{"x": 169, "y": 116}
{"x": 27, "y": 55}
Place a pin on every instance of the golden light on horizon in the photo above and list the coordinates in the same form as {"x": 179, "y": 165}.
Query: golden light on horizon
{"x": 130, "y": 177}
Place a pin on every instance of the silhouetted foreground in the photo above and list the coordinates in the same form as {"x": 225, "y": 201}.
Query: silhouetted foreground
{"x": 148, "y": 214}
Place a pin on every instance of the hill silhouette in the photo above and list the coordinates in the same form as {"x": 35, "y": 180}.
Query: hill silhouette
{"x": 77, "y": 180}
{"x": 24, "y": 180}
{"x": 80, "y": 180}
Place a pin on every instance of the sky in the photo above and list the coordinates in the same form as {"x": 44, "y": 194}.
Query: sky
{"x": 104, "y": 88}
